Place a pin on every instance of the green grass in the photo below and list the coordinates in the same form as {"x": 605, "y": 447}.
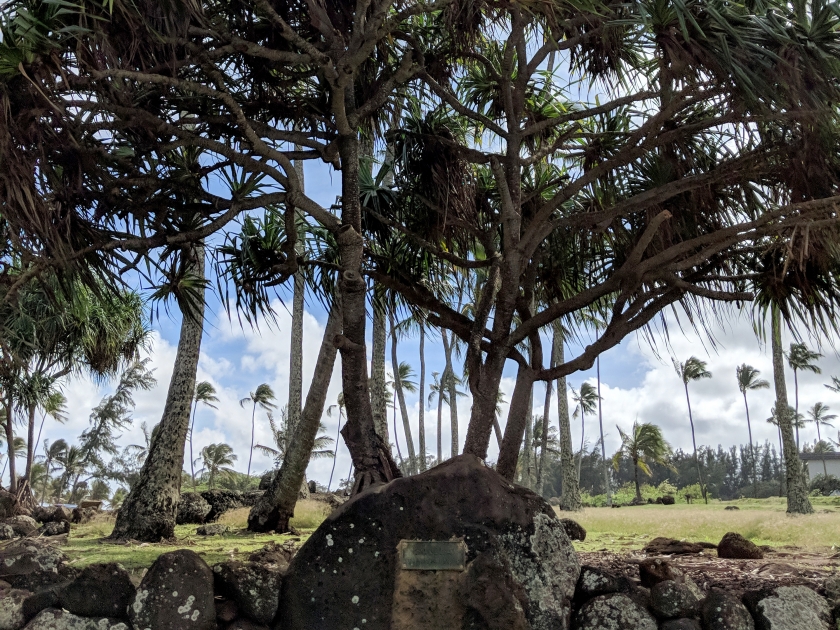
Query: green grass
{"x": 763, "y": 521}
{"x": 86, "y": 544}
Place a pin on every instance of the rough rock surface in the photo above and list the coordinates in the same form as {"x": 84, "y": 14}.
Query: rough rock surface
{"x": 100, "y": 590}
{"x": 83, "y": 515}
{"x": 7, "y": 532}
{"x": 253, "y": 587}
{"x": 212, "y": 529}
{"x": 613, "y": 612}
{"x": 656, "y": 570}
{"x": 723, "y": 611}
{"x": 175, "y": 594}
{"x": 735, "y": 546}
{"x": 23, "y": 525}
{"x": 346, "y": 570}
{"x": 245, "y": 624}
{"x": 667, "y": 546}
{"x": 788, "y": 608}
{"x": 680, "y": 624}
{"x": 594, "y": 581}
{"x": 220, "y": 502}
{"x": 55, "y": 528}
{"x": 492, "y": 599}
{"x": 574, "y": 530}
{"x": 11, "y": 609}
{"x": 54, "y": 619}
{"x": 29, "y": 565}
{"x": 7, "y": 504}
{"x": 671, "y": 600}
{"x": 55, "y": 514}
{"x": 192, "y": 509}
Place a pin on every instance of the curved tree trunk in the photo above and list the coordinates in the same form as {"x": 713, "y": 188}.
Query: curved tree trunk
{"x": 190, "y": 434}
{"x": 398, "y": 390}
{"x": 752, "y": 450}
{"x": 421, "y": 420}
{"x": 694, "y": 443}
{"x": 570, "y": 496}
{"x": 10, "y": 445}
{"x": 448, "y": 380}
{"x": 296, "y": 358}
{"x": 516, "y": 426}
{"x": 582, "y": 443}
{"x": 277, "y": 505}
{"x": 796, "y": 406}
{"x": 378, "y": 394}
{"x": 797, "y": 491}
{"x": 527, "y": 454}
{"x": 30, "y": 443}
{"x": 148, "y": 512}
{"x": 540, "y": 482}
{"x": 440, "y": 425}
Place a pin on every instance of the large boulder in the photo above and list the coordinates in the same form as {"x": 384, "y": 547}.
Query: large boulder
{"x": 346, "y": 571}
{"x": 7, "y": 532}
{"x": 175, "y": 594}
{"x": 8, "y": 504}
{"x": 680, "y": 624}
{"x": 662, "y": 546}
{"x": 252, "y": 586}
{"x": 613, "y": 612}
{"x": 736, "y": 547}
{"x": 192, "y": 509}
{"x": 55, "y": 619}
{"x": 100, "y": 590}
{"x": 671, "y": 600}
{"x": 55, "y": 528}
{"x": 31, "y": 565}
{"x": 23, "y": 525}
{"x": 220, "y": 502}
{"x": 82, "y": 515}
{"x": 788, "y": 608}
{"x": 594, "y": 581}
{"x": 652, "y": 571}
{"x": 574, "y": 530}
{"x": 723, "y": 611}
{"x": 11, "y": 609}
{"x": 52, "y": 514}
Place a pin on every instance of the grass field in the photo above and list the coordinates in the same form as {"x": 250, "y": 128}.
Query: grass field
{"x": 762, "y": 521}
{"x": 86, "y": 545}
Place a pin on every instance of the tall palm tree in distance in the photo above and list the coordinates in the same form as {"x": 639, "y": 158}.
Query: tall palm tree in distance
{"x": 339, "y": 405}
{"x": 801, "y": 358}
{"x": 262, "y": 397}
{"x": 205, "y": 393}
{"x": 401, "y": 382}
{"x": 644, "y": 445}
{"x": 748, "y": 380}
{"x": 586, "y": 399}
{"x": 818, "y": 414}
{"x": 693, "y": 370}
{"x": 218, "y": 460}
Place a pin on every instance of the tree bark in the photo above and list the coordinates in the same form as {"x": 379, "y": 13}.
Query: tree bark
{"x": 797, "y": 491}
{"x": 694, "y": 443}
{"x": 296, "y": 357}
{"x": 398, "y": 389}
{"x": 527, "y": 452}
{"x": 30, "y": 443}
{"x": 449, "y": 381}
{"x": 570, "y": 497}
{"x": 440, "y": 424}
{"x": 516, "y": 425}
{"x": 370, "y": 453}
{"x": 636, "y": 479}
{"x": 603, "y": 445}
{"x": 277, "y": 505}
{"x": 378, "y": 395}
{"x": 544, "y": 435}
{"x": 421, "y": 419}
{"x": 752, "y": 450}
{"x": 148, "y": 512}
{"x": 10, "y": 445}
{"x": 796, "y": 406}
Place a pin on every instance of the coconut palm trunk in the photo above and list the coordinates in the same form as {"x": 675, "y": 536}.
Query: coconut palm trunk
{"x": 752, "y": 450}
{"x": 440, "y": 424}
{"x": 570, "y": 496}
{"x": 694, "y": 444}
{"x": 540, "y": 483}
{"x": 582, "y": 443}
{"x": 797, "y": 492}
{"x": 30, "y": 442}
{"x": 421, "y": 418}
{"x": 601, "y": 427}
{"x": 148, "y": 512}
{"x": 398, "y": 390}
{"x": 378, "y": 393}
{"x": 277, "y": 505}
{"x": 10, "y": 444}
{"x": 448, "y": 380}
{"x": 636, "y": 479}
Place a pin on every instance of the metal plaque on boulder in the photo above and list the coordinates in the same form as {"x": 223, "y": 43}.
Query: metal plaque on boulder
{"x": 432, "y": 555}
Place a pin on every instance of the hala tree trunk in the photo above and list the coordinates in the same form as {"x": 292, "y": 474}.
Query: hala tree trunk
{"x": 10, "y": 446}
{"x": 370, "y": 453}
{"x": 148, "y": 512}
{"x": 570, "y": 497}
{"x": 516, "y": 424}
{"x": 448, "y": 381}
{"x": 421, "y": 419}
{"x": 398, "y": 390}
{"x": 378, "y": 395}
{"x": 277, "y": 505}
{"x": 797, "y": 492}
{"x": 485, "y": 389}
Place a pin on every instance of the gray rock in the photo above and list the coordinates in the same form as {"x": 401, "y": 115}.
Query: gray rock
{"x": 53, "y": 514}
{"x": 100, "y": 590}
{"x": 613, "y": 612}
{"x": 723, "y": 611}
{"x": 832, "y": 589}
{"x": 789, "y": 608}
{"x": 7, "y": 532}
{"x": 11, "y": 609}
{"x": 212, "y": 529}
{"x": 192, "y": 509}
{"x": 41, "y": 600}
{"x": 23, "y": 525}
{"x": 736, "y": 547}
{"x": 220, "y": 502}
{"x": 54, "y": 619}
{"x": 31, "y": 565}
{"x": 83, "y": 515}
{"x": 655, "y": 570}
{"x": 8, "y": 504}
{"x": 574, "y": 530}
{"x": 175, "y": 594}
{"x": 55, "y": 528}
{"x": 594, "y": 581}
{"x": 681, "y": 624}
{"x": 253, "y": 587}
{"x": 670, "y": 600}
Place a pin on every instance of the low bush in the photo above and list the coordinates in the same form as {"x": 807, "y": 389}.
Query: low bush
{"x": 824, "y": 485}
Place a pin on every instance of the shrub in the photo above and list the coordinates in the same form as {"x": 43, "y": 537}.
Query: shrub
{"x": 825, "y": 485}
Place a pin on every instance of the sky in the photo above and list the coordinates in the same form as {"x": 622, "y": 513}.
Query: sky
{"x": 638, "y": 382}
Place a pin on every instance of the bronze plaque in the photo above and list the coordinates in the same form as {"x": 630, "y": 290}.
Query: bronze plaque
{"x": 433, "y": 555}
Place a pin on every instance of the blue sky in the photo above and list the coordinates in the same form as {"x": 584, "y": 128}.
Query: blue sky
{"x": 636, "y": 381}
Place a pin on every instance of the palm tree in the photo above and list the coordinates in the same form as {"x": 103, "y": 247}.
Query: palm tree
{"x": 693, "y": 370}
{"x": 796, "y": 423}
{"x": 281, "y": 434}
{"x": 52, "y": 453}
{"x": 818, "y": 414}
{"x": 800, "y": 357}
{"x": 400, "y": 382}
{"x": 261, "y": 397}
{"x": 644, "y": 445}
{"x": 437, "y": 390}
{"x": 339, "y": 405}
{"x": 55, "y": 406}
{"x": 748, "y": 380}
{"x": 217, "y": 460}
{"x": 205, "y": 393}
{"x": 587, "y": 400}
